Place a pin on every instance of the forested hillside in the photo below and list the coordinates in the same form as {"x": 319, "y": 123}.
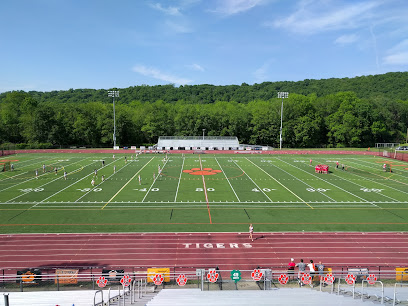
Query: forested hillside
{"x": 335, "y": 112}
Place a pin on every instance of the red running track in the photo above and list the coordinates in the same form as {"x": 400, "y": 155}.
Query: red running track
{"x": 202, "y": 250}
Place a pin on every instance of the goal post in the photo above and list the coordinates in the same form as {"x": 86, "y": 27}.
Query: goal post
{"x": 5, "y": 166}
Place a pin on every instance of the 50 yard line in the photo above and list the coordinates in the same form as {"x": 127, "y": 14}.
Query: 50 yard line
{"x": 205, "y": 190}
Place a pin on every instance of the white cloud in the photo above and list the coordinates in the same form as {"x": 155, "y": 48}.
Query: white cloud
{"x": 403, "y": 45}
{"x": 157, "y": 74}
{"x": 174, "y": 11}
{"x": 231, "y": 7}
{"x": 397, "y": 55}
{"x": 313, "y": 16}
{"x": 400, "y": 58}
{"x": 196, "y": 67}
{"x": 346, "y": 39}
{"x": 177, "y": 27}
{"x": 261, "y": 74}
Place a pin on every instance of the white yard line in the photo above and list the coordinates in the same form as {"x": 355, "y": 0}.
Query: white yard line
{"x": 252, "y": 181}
{"x": 280, "y": 183}
{"x": 25, "y": 172}
{"x": 127, "y": 164}
{"x": 63, "y": 188}
{"x": 378, "y": 182}
{"x": 332, "y": 184}
{"x": 362, "y": 186}
{"x": 58, "y": 178}
{"x": 30, "y": 178}
{"x": 155, "y": 179}
{"x": 322, "y": 193}
{"x": 110, "y": 200}
{"x": 379, "y": 167}
{"x": 178, "y": 185}
{"x": 228, "y": 180}
{"x": 19, "y": 164}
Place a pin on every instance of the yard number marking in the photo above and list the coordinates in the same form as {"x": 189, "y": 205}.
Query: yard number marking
{"x": 145, "y": 189}
{"x": 317, "y": 189}
{"x": 371, "y": 190}
{"x": 202, "y": 189}
{"x": 263, "y": 189}
{"x": 32, "y": 189}
{"x": 90, "y": 189}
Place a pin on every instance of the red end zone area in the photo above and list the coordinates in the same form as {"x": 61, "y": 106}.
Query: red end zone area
{"x": 228, "y": 251}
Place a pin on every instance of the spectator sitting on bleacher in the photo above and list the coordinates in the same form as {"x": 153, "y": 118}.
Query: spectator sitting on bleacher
{"x": 291, "y": 268}
{"x": 312, "y": 268}
{"x": 320, "y": 268}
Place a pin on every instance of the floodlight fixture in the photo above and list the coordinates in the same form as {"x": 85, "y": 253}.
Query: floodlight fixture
{"x": 113, "y": 94}
{"x": 283, "y": 95}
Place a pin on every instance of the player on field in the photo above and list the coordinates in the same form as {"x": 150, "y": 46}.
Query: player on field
{"x": 385, "y": 167}
{"x": 36, "y": 173}
{"x": 93, "y": 182}
{"x": 113, "y": 156}
{"x": 65, "y": 175}
{"x": 96, "y": 173}
{"x": 56, "y": 170}
{"x": 114, "y": 169}
{"x": 310, "y": 162}
{"x": 140, "y": 180}
{"x": 12, "y": 167}
{"x": 125, "y": 159}
{"x": 103, "y": 178}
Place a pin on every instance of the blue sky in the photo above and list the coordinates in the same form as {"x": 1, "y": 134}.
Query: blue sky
{"x": 60, "y": 44}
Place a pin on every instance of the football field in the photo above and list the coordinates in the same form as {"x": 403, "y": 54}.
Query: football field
{"x": 201, "y": 192}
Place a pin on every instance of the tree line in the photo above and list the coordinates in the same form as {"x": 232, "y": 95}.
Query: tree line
{"x": 312, "y": 115}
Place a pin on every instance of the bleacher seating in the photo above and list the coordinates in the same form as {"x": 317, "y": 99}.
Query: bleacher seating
{"x": 284, "y": 296}
{"x": 62, "y": 298}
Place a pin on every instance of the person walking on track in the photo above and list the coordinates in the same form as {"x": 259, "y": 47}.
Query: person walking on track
{"x": 251, "y": 231}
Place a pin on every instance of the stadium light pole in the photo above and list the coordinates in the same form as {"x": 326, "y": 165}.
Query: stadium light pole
{"x": 283, "y": 95}
{"x": 113, "y": 94}
{"x": 203, "y": 133}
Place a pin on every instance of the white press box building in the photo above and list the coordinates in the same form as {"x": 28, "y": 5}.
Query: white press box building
{"x": 198, "y": 143}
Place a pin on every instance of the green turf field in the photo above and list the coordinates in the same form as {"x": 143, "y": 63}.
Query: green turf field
{"x": 203, "y": 192}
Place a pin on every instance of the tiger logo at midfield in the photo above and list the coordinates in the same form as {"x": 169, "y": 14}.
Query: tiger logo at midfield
{"x": 204, "y": 171}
